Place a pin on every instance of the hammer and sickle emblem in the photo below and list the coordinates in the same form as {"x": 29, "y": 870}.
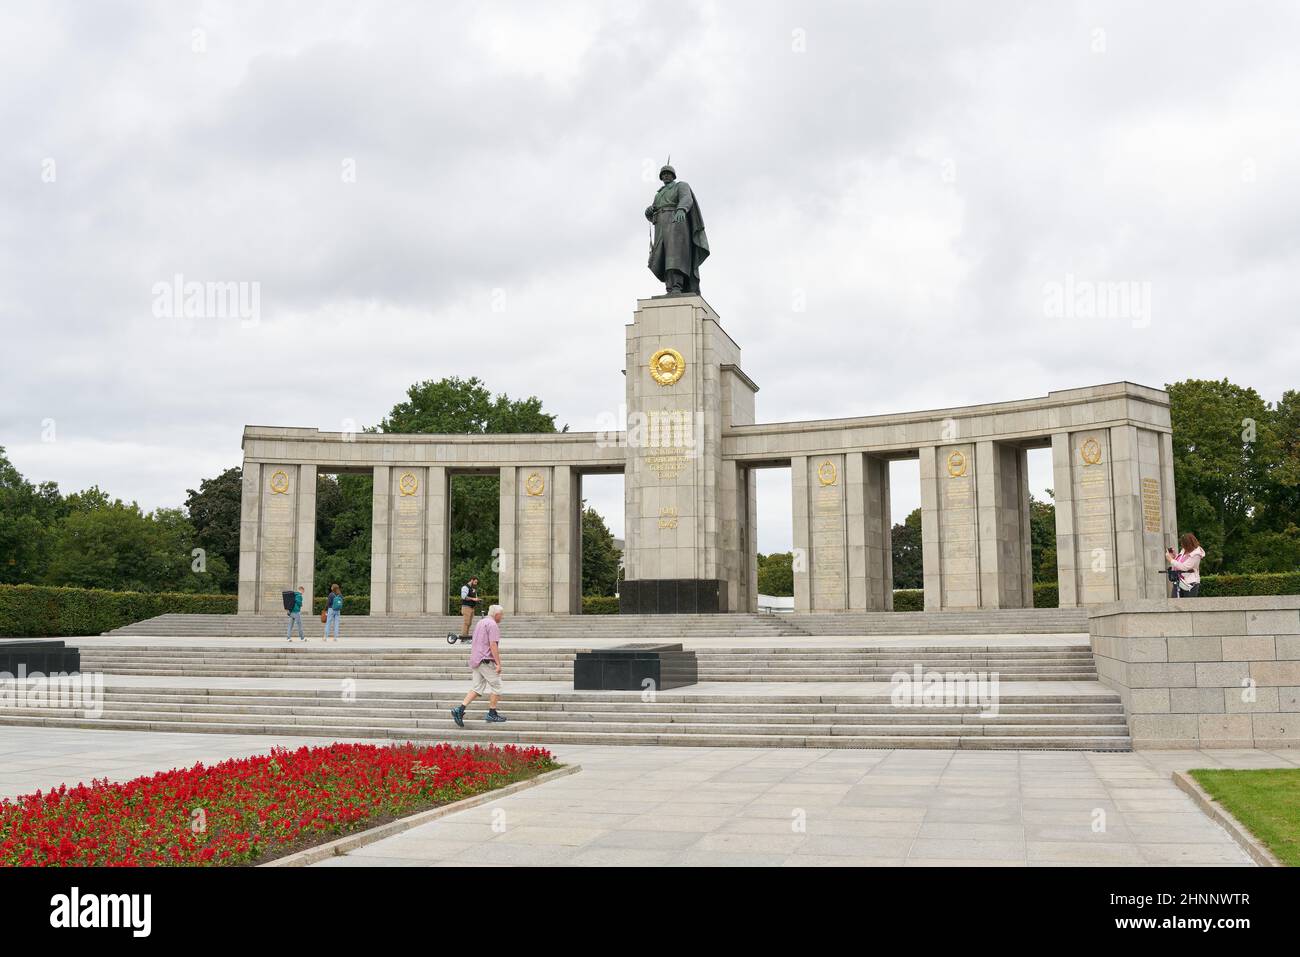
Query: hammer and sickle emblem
{"x": 408, "y": 483}
{"x": 826, "y": 473}
{"x": 534, "y": 484}
{"x": 279, "y": 482}
{"x": 956, "y": 464}
{"x": 1091, "y": 451}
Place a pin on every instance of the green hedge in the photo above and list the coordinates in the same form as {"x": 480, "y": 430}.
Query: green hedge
{"x": 36, "y": 611}
{"x": 1235, "y": 586}
{"x": 909, "y": 599}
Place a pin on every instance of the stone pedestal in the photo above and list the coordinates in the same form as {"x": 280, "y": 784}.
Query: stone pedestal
{"x": 686, "y": 512}
{"x": 540, "y": 554}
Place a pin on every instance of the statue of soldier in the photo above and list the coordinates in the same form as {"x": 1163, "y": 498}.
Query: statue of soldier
{"x": 679, "y": 244}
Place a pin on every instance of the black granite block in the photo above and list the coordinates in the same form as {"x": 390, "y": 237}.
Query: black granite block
{"x": 634, "y": 667}
{"x": 670, "y": 596}
{"x": 46, "y": 657}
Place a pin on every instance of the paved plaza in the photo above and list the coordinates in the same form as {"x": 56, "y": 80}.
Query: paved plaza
{"x": 734, "y": 806}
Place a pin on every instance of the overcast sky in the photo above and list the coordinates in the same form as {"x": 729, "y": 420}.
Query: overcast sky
{"x": 893, "y": 194}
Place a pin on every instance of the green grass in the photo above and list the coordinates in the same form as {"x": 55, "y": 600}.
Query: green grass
{"x": 1267, "y": 802}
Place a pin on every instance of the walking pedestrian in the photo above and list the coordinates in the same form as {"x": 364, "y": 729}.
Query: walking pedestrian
{"x": 295, "y": 616}
{"x": 485, "y": 667}
{"x": 468, "y": 602}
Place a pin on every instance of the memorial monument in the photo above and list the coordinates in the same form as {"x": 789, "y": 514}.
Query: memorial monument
{"x": 689, "y": 451}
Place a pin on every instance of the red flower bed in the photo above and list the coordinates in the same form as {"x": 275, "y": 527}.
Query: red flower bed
{"x": 248, "y": 809}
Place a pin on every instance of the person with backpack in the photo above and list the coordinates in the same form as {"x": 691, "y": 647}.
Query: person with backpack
{"x": 333, "y": 609}
{"x": 295, "y": 615}
{"x": 1187, "y": 563}
{"x": 468, "y": 602}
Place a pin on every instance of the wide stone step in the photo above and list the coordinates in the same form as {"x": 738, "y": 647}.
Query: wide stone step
{"x": 499, "y": 735}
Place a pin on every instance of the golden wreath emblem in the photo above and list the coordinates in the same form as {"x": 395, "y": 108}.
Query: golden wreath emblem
{"x": 408, "y": 484}
{"x": 826, "y": 473}
{"x": 534, "y": 484}
{"x": 1091, "y": 451}
{"x": 279, "y": 482}
{"x": 957, "y": 464}
{"x": 667, "y": 366}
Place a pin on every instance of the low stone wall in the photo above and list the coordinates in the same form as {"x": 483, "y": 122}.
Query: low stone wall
{"x": 1203, "y": 672}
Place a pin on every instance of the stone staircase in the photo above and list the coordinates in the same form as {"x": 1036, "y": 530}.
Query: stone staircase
{"x": 817, "y": 665}
{"x": 1038, "y": 721}
{"x": 576, "y": 628}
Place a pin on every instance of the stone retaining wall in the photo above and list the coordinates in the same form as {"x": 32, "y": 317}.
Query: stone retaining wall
{"x": 1203, "y": 672}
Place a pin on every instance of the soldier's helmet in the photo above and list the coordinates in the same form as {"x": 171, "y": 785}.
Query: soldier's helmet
{"x": 667, "y": 169}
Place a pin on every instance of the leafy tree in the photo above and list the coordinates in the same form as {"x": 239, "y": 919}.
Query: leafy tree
{"x": 1042, "y": 538}
{"x": 599, "y": 555}
{"x": 776, "y": 574}
{"x": 343, "y": 522}
{"x": 905, "y": 541}
{"x": 27, "y": 515}
{"x": 1223, "y": 438}
{"x": 214, "y": 511}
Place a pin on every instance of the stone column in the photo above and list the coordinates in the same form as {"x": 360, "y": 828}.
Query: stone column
{"x": 827, "y": 557}
{"x": 305, "y": 563}
{"x": 437, "y": 539}
{"x": 250, "y": 519}
{"x": 1137, "y": 472}
{"x": 956, "y": 501}
{"x": 1006, "y": 577}
{"x": 931, "y": 560}
{"x": 528, "y": 500}
{"x": 870, "y": 556}
{"x": 800, "y": 509}
{"x": 379, "y": 541}
{"x": 404, "y": 587}
{"x": 286, "y": 517}
{"x": 506, "y": 583}
{"x": 566, "y": 535}
{"x": 1091, "y": 520}
{"x": 1067, "y": 584}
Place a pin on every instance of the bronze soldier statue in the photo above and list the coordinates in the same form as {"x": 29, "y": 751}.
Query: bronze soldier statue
{"x": 679, "y": 244}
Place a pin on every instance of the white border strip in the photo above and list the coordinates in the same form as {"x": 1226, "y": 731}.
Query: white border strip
{"x": 351, "y": 842}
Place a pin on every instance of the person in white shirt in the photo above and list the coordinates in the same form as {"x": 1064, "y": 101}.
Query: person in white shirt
{"x": 1188, "y": 564}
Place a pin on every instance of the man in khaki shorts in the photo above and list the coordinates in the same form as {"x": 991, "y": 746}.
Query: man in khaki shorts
{"x": 485, "y": 667}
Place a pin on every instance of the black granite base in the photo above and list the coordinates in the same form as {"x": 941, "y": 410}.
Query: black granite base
{"x": 672, "y": 596}
{"x": 45, "y": 656}
{"x": 630, "y": 667}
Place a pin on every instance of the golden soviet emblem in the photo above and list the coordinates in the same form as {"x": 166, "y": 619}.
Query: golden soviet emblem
{"x": 408, "y": 483}
{"x": 534, "y": 484}
{"x": 956, "y": 464}
{"x": 667, "y": 366}
{"x": 279, "y": 482}
{"x": 1091, "y": 451}
{"x": 826, "y": 473}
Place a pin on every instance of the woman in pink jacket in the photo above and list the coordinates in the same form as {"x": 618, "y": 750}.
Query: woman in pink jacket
{"x": 1188, "y": 563}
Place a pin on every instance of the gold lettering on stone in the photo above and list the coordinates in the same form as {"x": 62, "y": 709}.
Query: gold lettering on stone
{"x": 1151, "y": 516}
{"x": 668, "y": 516}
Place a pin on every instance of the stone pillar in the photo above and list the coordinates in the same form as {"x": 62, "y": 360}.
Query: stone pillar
{"x": 437, "y": 540}
{"x": 827, "y": 532}
{"x": 1067, "y": 585}
{"x": 931, "y": 560}
{"x": 250, "y": 519}
{"x": 1087, "y": 527}
{"x": 281, "y": 507}
{"x": 407, "y": 526}
{"x": 566, "y": 534}
{"x": 800, "y": 508}
{"x": 506, "y": 585}
{"x": 1138, "y": 476}
{"x": 870, "y": 556}
{"x": 956, "y": 501}
{"x": 379, "y": 541}
{"x": 1006, "y": 575}
{"x": 526, "y": 527}
{"x": 674, "y": 528}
